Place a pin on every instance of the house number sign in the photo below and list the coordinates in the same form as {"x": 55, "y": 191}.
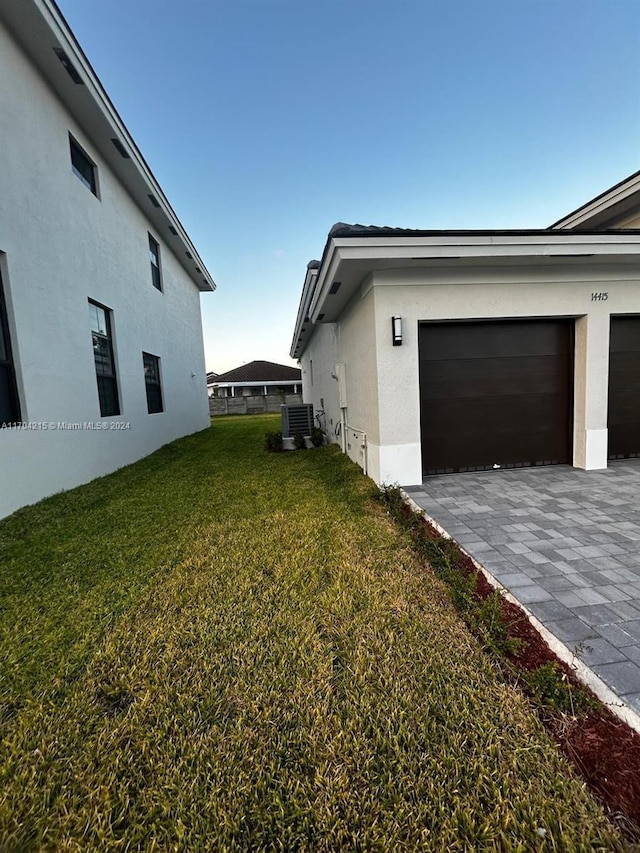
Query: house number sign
{"x": 599, "y": 297}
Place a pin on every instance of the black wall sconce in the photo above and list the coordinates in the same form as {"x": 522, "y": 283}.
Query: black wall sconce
{"x": 396, "y": 331}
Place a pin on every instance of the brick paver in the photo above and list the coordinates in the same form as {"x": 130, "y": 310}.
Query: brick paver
{"x": 566, "y": 543}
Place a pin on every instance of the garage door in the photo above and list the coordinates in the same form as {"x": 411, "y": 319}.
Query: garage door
{"x": 624, "y": 388}
{"x": 495, "y": 394}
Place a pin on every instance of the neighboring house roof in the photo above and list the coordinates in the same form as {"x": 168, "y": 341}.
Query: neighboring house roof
{"x": 611, "y": 204}
{"x": 354, "y": 252}
{"x": 261, "y": 371}
{"x": 211, "y": 377}
{"x": 40, "y": 27}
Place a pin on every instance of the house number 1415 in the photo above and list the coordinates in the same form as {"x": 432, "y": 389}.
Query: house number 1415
{"x": 599, "y": 297}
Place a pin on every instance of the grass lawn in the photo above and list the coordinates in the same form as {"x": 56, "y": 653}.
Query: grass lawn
{"x": 222, "y": 649}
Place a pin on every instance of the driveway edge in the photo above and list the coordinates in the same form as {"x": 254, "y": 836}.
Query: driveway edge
{"x": 583, "y": 673}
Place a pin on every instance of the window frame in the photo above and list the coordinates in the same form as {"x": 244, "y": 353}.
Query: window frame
{"x": 8, "y": 364}
{"x": 108, "y": 379}
{"x": 78, "y": 150}
{"x": 156, "y": 268}
{"x": 155, "y": 404}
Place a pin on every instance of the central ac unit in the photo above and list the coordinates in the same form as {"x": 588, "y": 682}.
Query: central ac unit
{"x": 297, "y": 418}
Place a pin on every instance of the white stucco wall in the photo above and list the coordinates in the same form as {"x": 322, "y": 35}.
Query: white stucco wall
{"x": 59, "y": 247}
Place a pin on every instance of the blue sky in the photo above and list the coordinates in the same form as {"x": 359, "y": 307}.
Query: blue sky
{"x": 266, "y": 121}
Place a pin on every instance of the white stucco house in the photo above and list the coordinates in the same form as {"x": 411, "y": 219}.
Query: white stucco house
{"x": 443, "y": 351}
{"x": 101, "y": 352}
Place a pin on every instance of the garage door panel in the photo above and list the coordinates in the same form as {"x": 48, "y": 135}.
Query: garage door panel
{"x": 521, "y": 339}
{"x": 491, "y": 376}
{"x": 624, "y": 388}
{"x": 498, "y": 412}
{"x": 625, "y": 335}
{"x": 481, "y": 411}
{"x": 627, "y": 363}
{"x": 494, "y": 431}
{"x": 627, "y": 408}
{"x": 493, "y": 450}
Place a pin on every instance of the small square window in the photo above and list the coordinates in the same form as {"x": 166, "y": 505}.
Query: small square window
{"x": 83, "y": 167}
{"x": 151, "y": 364}
{"x": 154, "y": 257}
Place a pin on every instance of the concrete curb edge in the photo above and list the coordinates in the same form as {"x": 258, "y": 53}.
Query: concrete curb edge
{"x": 583, "y": 673}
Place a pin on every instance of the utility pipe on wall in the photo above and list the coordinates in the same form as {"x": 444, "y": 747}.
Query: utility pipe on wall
{"x": 363, "y": 444}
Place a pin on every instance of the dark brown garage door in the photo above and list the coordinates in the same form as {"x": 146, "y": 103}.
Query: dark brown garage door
{"x": 495, "y": 394}
{"x": 624, "y": 388}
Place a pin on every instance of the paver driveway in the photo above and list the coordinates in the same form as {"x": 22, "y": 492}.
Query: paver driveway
{"x": 566, "y": 543}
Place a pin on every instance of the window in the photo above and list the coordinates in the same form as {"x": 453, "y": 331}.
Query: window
{"x": 151, "y": 365}
{"x": 9, "y": 404}
{"x": 83, "y": 167}
{"x": 100, "y": 318}
{"x": 154, "y": 257}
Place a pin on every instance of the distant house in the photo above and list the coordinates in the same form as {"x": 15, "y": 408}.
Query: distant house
{"x": 211, "y": 377}
{"x": 429, "y": 352}
{"x": 257, "y": 378}
{"x": 101, "y": 353}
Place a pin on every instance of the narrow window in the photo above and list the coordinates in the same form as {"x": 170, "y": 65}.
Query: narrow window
{"x": 9, "y": 404}
{"x": 154, "y": 257}
{"x": 151, "y": 365}
{"x": 100, "y": 318}
{"x": 83, "y": 167}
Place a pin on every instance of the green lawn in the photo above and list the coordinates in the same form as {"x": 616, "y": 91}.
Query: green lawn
{"x": 223, "y": 649}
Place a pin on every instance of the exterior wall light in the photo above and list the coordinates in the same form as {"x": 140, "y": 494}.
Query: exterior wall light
{"x": 396, "y": 331}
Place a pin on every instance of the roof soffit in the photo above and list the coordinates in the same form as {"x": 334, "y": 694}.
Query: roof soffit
{"x": 350, "y": 261}
{"x": 39, "y": 27}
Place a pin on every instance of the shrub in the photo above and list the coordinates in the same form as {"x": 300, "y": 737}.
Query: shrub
{"x": 550, "y": 686}
{"x": 273, "y": 442}
{"x": 298, "y": 441}
{"x": 317, "y": 437}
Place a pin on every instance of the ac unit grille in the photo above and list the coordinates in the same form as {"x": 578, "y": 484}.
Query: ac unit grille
{"x": 297, "y": 418}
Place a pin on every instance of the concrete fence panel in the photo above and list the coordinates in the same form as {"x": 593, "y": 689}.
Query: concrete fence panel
{"x": 250, "y": 405}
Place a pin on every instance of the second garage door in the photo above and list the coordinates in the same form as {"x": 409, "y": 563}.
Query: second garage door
{"x": 495, "y": 394}
{"x": 624, "y": 388}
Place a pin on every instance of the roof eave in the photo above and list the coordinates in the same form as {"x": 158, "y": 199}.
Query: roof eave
{"x": 304, "y": 327}
{"x": 40, "y": 26}
{"x": 611, "y": 203}
{"x": 437, "y": 248}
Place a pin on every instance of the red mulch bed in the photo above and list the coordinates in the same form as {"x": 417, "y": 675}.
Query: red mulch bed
{"x": 604, "y": 750}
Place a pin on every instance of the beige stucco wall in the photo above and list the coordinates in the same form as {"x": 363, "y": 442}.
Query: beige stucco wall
{"x": 520, "y": 293}
{"x": 318, "y": 363}
{"x": 357, "y": 345}
{"x": 382, "y": 381}
{"x": 345, "y": 352}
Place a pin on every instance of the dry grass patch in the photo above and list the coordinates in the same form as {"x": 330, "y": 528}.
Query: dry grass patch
{"x": 272, "y": 671}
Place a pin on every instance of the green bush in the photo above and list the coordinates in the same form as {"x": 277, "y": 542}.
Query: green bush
{"x": 549, "y": 686}
{"x": 317, "y": 437}
{"x": 273, "y": 442}
{"x": 298, "y": 441}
